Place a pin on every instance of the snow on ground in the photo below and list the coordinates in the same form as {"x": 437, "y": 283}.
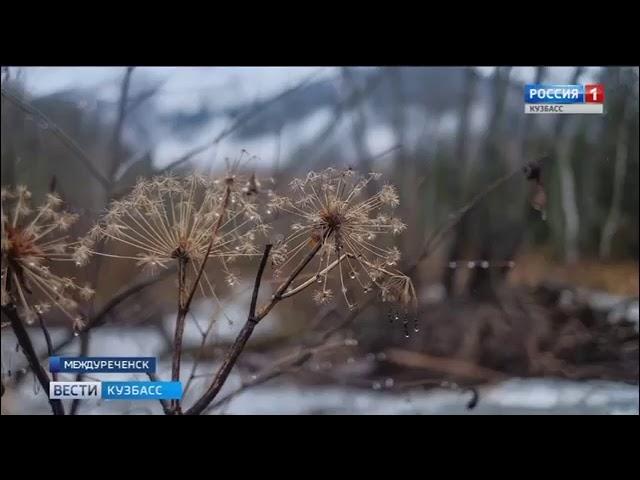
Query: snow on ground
{"x": 516, "y": 396}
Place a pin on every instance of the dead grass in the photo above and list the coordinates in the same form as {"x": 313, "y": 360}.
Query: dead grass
{"x": 614, "y": 277}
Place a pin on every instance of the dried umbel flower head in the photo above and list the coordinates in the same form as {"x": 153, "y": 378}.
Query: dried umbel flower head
{"x": 333, "y": 208}
{"x": 32, "y": 241}
{"x": 169, "y": 218}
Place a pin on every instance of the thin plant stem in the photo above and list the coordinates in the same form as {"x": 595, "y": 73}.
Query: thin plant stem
{"x": 185, "y": 300}
{"x": 180, "y": 321}
{"x": 47, "y": 339}
{"x": 238, "y": 345}
{"x": 252, "y": 320}
{"x": 27, "y": 347}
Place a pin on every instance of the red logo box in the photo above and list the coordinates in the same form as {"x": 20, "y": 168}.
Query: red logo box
{"x": 594, "y": 93}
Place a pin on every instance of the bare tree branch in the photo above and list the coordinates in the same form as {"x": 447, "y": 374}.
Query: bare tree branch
{"x": 116, "y": 161}
{"x": 135, "y": 102}
{"x": 116, "y": 144}
{"x": 449, "y": 366}
{"x": 58, "y": 132}
{"x": 238, "y": 123}
{"x": 100, "y": 318}
{"x": 438, "y": 235}
{"x": 339, "y": 110}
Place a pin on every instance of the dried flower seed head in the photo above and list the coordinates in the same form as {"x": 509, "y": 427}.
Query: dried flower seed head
{"x": 32, "y": 241}
{"x": 332, "y": 207}
{"x": 170, "y": 218}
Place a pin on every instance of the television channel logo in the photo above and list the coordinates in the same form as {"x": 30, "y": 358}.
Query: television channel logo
{"x": 552, "y": 98}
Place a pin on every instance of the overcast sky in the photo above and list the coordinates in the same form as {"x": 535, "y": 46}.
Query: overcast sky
{"x": 187, "y": 89}
{"x": 181, "y": 83}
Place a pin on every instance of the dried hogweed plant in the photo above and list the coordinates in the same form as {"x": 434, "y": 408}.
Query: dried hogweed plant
{"x": 33, "y": 240}
{"x": 339, "y": 227}
{"x": 183, "y": 221}
{"x": 170, "y": 219}
{"x": 352, "y": 230}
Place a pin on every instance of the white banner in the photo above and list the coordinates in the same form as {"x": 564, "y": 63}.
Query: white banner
{"x": 571, "y": 108}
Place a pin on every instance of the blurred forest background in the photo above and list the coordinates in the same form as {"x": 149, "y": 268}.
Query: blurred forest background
{"x": 566, "y": 307}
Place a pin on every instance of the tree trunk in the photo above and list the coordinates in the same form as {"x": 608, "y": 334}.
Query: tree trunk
{"x": 620, "y": 170}
{"x": 563, "y": 152}
{"x": 489, "y": 246}
{"x": 462, "y": 159}
{"x": 568, "y": 199}
{"x": 359, "y": 126}
{"x": 525, "y": 133}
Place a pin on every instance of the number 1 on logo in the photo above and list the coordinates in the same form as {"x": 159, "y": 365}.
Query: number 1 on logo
{"x": 594, "y": 93}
